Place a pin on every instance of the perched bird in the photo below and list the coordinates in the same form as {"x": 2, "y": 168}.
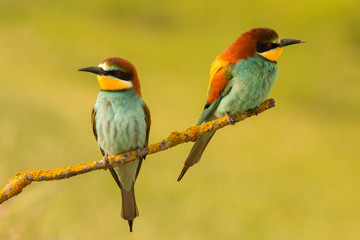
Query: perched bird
{"x": 121, "y": 122}
{"x": 240, "y": 79}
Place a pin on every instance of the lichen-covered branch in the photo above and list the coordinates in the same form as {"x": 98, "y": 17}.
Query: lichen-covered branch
{"x": 16, "y": 184}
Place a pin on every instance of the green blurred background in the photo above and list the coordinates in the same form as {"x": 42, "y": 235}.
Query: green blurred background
{"x": 289, "y": 173}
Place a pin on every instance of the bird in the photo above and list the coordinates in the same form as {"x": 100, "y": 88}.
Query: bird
{"x": 121, "y": 122}
{"x": 241, "y": 78}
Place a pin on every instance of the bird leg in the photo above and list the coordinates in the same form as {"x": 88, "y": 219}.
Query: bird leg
{"x": 105, "y": 160}
{"x": 231, "y": 119}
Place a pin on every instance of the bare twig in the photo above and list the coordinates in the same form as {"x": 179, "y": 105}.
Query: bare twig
{"x": 16, "y": 184}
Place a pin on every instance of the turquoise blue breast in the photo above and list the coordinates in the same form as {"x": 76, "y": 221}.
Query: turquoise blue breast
{"x": 120, "y": 121}
{"x": 252, "y": 82}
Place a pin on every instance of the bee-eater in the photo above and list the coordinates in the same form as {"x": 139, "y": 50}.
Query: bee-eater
{"x": 240, "y": 79}
{"x": 121, "y": 122}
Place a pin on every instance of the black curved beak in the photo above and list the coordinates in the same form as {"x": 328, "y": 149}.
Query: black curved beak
{"x": 96, "y": 70}
{"x": 287, "y": 41}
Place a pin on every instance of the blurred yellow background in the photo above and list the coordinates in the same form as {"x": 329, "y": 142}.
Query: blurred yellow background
{"x": 289, "y": 173}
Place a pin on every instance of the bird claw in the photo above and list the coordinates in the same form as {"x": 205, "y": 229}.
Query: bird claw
{"x": 230, "y": 119}
{"x": 139, "y": 153}
{"x": 105, "y": 160}
{"x": 255, "y": 110}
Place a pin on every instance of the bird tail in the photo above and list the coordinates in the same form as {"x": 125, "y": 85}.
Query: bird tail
{"x": 196, "y": 152}
{"x": 129, "y": 209}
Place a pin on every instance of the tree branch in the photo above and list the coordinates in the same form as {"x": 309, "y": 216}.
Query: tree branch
{"x": 17, "y": 183}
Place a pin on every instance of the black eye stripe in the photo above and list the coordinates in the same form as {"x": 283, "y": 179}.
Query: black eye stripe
{"x": 263, "y": 47}
{"x": 120, "y": 75}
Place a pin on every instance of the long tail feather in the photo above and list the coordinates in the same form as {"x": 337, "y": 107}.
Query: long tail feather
{"x": 196, "y": 152}
{"x": 130, "y": 222}
{"x": 129, "y": 209}
{"x": 183, "y": 171}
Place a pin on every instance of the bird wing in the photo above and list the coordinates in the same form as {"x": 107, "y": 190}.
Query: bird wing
{"x": 93, "y": 114}
{"x": 219, "y": 86}
{"x": 93, "y": 123}
{"x": 220, "y": 74}
{"x": 148, "y": 123}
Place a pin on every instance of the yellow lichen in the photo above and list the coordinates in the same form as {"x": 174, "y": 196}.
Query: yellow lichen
{"x": 154, "y": 148}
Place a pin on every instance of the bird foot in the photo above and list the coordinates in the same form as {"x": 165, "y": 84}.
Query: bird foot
{"x": 139, "y": 153}
{"x": 255, "y": 110}
{"x": 105, "y": 160}
{"x": 231, "y": 119}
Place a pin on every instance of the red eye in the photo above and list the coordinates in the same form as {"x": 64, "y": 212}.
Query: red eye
{"x": 269, "y": 45}
{"x": 117, "y": 73}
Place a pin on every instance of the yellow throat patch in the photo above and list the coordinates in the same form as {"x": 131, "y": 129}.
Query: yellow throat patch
{"x": 108, "y": 83}
{"x": 273, "y": 54}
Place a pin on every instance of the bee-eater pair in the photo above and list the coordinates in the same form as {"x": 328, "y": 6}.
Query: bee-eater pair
{"x": 240, "y": 79}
